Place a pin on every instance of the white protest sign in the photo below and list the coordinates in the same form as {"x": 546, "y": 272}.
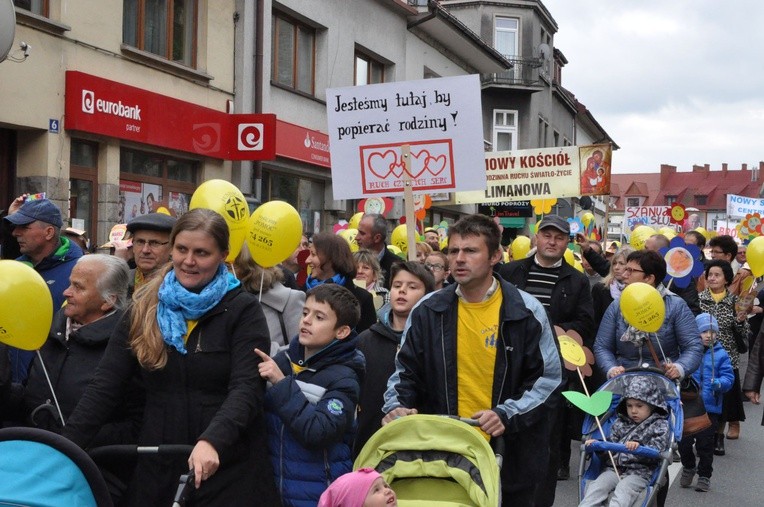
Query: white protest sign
{"x": 653, "y": 216}
{"x": 723, "y": 227}
{"x": 441, "y": 119}
{"x": 739, "y": 206}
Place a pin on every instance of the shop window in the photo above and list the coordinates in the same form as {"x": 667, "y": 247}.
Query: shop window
{"x": 307, "y": 196}
{"x": 163, "y": 27}
{"x": 149, "y": 181}
{"x": 368, "y": 70}
{"x": 39, "y": 7}
{"x": 294, "y": 54}
{"x": 83, "y": 186}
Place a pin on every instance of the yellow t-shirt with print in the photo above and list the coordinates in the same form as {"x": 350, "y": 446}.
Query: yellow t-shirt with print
{"x": 477, "y": 336}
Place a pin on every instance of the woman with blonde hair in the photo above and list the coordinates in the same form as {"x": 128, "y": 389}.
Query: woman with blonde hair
{"x": 282, "y": 306}
{"x": 610, "y": 288}
{"x": 369, "y": 271}
{"x": 189, "y": 339}
{"x": 422, "y": 251}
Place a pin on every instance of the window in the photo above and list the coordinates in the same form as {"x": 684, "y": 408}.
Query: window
{"x": 556, "y": 137}
{"x": 163, "y": 27}
{"x": 39, "y": 7}
{"x": 294, "y": 54}
{"x": 632, "y": 201}
{"x": 150, "y": 180}
{"x": 307, "y": 196}
{"x": 505, "y": 36}
{"x": 368, "y": 70}
{"x": 670, "y": 199}
{"x": 543, "y": 132}
{"x": 83, "y": 185}
{"x": 700, "y": 200}
{"x": 504, "y": 130}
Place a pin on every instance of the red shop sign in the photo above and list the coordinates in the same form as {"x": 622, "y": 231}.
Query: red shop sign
{"x": 300, "y": 143}
{"x": 101, "y": 106}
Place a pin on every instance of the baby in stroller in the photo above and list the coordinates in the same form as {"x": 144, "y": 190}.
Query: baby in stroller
{"x": 641, "y": 422}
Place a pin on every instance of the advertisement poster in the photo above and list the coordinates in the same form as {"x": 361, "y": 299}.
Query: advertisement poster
{"x": 545, "y": 173}
{"x": 440, "y": 119}
{"x": 177, "y": 202}
{"x": 137, "y": 199}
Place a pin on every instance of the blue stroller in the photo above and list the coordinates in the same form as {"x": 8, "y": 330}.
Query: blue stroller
{"x": 593, "y": 456}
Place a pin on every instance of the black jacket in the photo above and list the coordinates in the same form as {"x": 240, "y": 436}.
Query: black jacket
{"x": 571, "y": 306}
{"x": 386, "y": 263}
{"x": 212, "y": 393}
{"x": 526, "y": 372}
{"x": 379, "y": 345}
{"x": 71, "y": 366}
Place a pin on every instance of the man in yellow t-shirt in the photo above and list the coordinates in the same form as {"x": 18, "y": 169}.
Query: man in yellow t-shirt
{"x": 481, "y": 348}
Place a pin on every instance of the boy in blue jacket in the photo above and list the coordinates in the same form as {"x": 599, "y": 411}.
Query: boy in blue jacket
{"x": 715, "y": 377}
{"x": 310, "y": 406}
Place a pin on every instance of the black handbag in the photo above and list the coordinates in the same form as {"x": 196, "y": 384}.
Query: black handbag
{"x": 695, "y": 416}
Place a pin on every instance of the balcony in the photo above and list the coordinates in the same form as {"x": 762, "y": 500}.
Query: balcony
{"x": 529, "y": 73}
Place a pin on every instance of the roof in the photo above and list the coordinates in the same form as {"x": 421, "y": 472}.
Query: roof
{"x": 686, "y": 186}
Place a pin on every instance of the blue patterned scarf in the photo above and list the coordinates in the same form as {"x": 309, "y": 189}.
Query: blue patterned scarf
{"x": 315, "y": 282}
{"x": 178, "y": 305}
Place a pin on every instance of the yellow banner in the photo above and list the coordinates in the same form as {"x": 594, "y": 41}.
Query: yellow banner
{"x": 545, "y": 173}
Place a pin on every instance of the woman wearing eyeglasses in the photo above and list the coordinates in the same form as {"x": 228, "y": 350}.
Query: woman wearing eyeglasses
{"x": 619, "y": 346}
{"x": 437, "y": 263}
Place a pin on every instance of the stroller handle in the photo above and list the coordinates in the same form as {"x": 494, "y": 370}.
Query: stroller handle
{"x": 642, "y": 451}
{"x": 122, "y": 450}
{"x": 498, "y": 444}
{"x": 466, "y": 420}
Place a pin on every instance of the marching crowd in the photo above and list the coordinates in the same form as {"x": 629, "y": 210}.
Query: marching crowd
{"x": 276, "y": 377}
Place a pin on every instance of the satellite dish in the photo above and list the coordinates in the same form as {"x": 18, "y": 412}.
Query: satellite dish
{"x": 7, "y": 27}
{"x": 545, "y": 51}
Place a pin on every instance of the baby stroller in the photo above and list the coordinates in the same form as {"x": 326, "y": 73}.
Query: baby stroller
{"x": 593, "y": 456}
{"x": 435, "y": 460}
{"x": 42, "y": 469}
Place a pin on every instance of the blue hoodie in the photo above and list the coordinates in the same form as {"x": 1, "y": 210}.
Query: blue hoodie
{"x": 310, "y": 435}
{"x": 719, "y": 368}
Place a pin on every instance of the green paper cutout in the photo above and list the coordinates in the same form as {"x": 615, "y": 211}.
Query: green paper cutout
{"x": 595, "y": 405}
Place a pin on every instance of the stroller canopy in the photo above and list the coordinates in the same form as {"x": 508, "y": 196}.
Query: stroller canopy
{"x": 42, "y": 469}
{"x": 434, "y": 460}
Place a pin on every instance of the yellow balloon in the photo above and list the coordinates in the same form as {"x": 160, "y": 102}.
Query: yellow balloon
{"x": 275, "y": 230}
{"x": 163, "y": 210}
{"x": 349, "y": 236}
{"x": 642, "y": 307}
{"x": 572, "y": 351}
{"x": 26, "y": 306}
{"x": 640, "y": 235}
{"x": 505, "y": 256}
{"x": 587, "y": 218}
{"x": 520, "y": 247}
{"x": 755, "y": 256}
{"x": 224, "y": 198}
{"x": 569, "y": 258}
{"x": 355, "y": 220}
{"x": 397, "y": 251}
{"x": 399, "y": 238}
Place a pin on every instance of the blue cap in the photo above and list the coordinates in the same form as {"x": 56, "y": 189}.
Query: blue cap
{"x": 706, "y": 322}
{"x": 40, "y": 209}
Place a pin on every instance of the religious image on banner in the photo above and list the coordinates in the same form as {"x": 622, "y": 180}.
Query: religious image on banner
{"x": 595, "y": 163}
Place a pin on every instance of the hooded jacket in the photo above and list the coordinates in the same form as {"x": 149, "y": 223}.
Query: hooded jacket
{"x": 379, "y": 345}
{"x": 310, "y": 418}
{"x": 55, "y": 270}
{"x": 526, "y": 372}
{"x": 716, "y": 366}
{"x": 652, "y": 432}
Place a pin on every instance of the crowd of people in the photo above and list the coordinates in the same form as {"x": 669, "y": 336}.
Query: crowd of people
{"x": 275, "y": 378}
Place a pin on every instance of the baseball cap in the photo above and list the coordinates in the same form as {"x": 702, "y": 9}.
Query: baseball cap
{"x": 151, "y": 222}
{"x": 40, "y": 209}
{"x": 555, "y": 221}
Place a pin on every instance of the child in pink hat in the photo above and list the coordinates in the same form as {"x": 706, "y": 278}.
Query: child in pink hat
{"x": 362, "y": 488}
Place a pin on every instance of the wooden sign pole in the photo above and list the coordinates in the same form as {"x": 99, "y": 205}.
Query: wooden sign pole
{"x": 408, "y": 202}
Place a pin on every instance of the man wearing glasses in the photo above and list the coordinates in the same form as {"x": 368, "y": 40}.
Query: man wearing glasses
{"x": 151, "y": 246}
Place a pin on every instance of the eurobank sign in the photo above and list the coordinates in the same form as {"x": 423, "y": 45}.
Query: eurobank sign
{"x": 101, "y": 106}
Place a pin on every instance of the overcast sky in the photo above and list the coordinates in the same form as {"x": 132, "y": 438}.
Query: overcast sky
{"x": 677, "y": 82}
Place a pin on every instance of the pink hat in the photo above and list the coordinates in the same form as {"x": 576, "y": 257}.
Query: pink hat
{"x": 349, "y": 490}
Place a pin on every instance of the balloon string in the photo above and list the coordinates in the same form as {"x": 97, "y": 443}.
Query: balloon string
{"x": 260, "y": 293}
{"x": 50, "y": 384}
{"x": 599, "y": 425}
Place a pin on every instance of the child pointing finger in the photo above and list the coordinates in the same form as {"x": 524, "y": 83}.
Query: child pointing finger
{"x": 268, "y": 368}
